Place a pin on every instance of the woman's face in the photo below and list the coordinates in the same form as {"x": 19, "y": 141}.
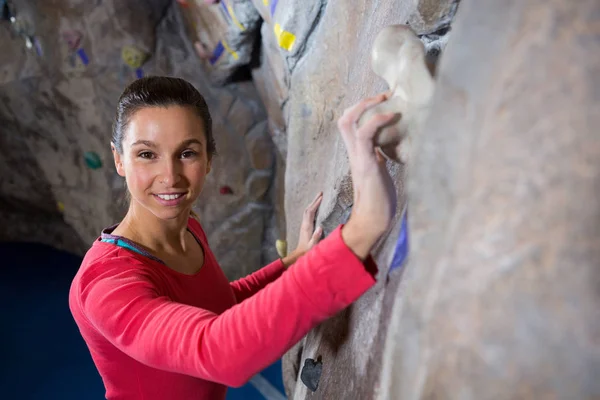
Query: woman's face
{"x": 164, "y": 159}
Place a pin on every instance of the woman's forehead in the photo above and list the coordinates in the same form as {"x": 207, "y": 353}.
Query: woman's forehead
{"x": 165, "y": 125}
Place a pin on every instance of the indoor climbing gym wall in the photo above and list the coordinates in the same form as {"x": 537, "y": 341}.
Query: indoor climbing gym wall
{"x": 59, "y": 96}
{"x": 488, "y": 282}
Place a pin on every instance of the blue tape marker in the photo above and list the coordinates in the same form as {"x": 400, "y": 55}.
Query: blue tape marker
{"x": 273, "y": 6}
{"x": 224, "y": 6}
{"x": 83, "y": 56}
{"x": 401, "y": 251}
{"x": 217, "y": 53}
{"x": 139, "y": 73}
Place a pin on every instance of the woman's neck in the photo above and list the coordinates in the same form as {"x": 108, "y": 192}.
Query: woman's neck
{"x": 158, "y": 235}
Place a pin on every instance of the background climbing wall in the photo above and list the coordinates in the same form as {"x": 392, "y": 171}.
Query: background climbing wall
{"x": 58, "y": 182}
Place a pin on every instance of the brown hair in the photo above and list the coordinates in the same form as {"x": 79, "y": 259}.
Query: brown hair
{"x": 160, "y": 91}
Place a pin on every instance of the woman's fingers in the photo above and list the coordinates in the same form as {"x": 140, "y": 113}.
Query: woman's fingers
{"x": 308, "y": 221}
{"x": 352, "y": 114}
{"x": 316, "y": 236}
{"x": 370, "y": 128}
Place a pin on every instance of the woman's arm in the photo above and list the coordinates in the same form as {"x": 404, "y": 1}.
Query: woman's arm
{"x": 308, "y": 238}
{"x": 248, "y": 286}
{"x": 231, "y": 347}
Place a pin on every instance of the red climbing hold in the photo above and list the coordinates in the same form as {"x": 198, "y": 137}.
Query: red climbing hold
{"x": 225, "y": 190}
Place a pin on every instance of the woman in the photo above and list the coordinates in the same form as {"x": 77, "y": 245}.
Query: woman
{"x": 156, "y": 311}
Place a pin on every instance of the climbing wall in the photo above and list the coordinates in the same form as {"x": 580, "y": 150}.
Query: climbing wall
{"x": 500, "y": 297}
{"x": 333, "y": 72}
{"x": 58, "y": 98}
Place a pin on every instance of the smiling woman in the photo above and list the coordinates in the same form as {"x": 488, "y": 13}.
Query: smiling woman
{"x": 156, "y": 311}
{"x": 165, "y": 160}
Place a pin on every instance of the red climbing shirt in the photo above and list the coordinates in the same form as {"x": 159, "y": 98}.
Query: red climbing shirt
{"x": 155, "y": 333}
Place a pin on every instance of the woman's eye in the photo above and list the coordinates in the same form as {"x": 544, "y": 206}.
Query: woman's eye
{"x": 188, "y": 154}
{"x": 146, "y": 155}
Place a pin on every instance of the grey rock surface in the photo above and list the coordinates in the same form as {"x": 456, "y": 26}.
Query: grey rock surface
{"x": 501, "y": 294}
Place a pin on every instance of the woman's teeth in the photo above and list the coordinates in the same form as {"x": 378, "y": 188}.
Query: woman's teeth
{"x": 170, "y": 196}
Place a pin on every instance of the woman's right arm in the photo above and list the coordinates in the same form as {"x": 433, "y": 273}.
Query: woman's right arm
{"x": 231, "y": 347}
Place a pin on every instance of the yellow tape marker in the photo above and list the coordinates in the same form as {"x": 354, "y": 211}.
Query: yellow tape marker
{"x": 60, "y": 206}
{"x": 234, "y": 18}
{"x": 285, "y": 39}
{"x": 230, "y": 50}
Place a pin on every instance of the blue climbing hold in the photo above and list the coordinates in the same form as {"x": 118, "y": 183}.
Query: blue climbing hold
{"x": 401, "y": 251}
{"x": 92, "y": 160}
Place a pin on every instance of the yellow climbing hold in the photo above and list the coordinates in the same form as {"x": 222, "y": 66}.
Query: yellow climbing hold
{"x": 266, "y": 2}
{"x": 285, "y": 39}
{"x": 230, "y": 50}
{"x": 281, "y": 246}
{"x": 60, "y": 206}
{"x": 133, "y": 56}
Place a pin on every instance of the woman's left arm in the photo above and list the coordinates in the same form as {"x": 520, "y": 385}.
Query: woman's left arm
{"x": 309, "y": 236}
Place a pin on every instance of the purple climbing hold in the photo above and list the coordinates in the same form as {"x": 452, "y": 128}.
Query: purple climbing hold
{"x": 84, "y": 58}
{"x": 217, "y": 53}
{"x": 273, "y": 6}
{"x": 401, "y": 251}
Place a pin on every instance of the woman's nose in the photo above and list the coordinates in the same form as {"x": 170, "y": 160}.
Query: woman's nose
{"x": 170, "y": 172}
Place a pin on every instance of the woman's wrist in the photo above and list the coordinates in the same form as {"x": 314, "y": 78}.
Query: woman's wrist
{"x": 291, "y": 258}
{"x": 360, "y": 237}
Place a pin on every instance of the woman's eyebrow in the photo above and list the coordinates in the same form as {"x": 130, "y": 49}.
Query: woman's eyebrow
{"x": 144, "y": 142}
{"x": 191, "y": 141}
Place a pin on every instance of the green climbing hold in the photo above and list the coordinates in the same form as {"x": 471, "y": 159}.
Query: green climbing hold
{"x": 92, "y": 159}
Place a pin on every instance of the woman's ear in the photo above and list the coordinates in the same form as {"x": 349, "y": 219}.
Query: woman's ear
{"x": 118, "y": 160}
{"x": 208, "y": 166}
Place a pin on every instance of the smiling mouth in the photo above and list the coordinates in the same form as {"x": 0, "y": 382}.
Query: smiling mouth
{"x": 174, "y": 196}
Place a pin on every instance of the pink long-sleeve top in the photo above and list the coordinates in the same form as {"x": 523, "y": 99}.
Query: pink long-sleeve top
{"x": 155, "y": 333}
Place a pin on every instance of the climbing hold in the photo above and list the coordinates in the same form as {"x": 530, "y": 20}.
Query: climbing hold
{"x": 281, "y": 246}
{"x": 83, "y": 56}
{"x": 225, "y": 190}
{"x": 38, "y": 46}
{"x": 60, "y": 206}
{"x": 217, "y": 53}
{"x": 401, "y": 251}
{"x": 222, "y": 46}
{"x": 311, "y": 373}
{"x": 92, "y": 160}
{"x": 73, "y": 39}
{"x": 285, "y": 39}
{"x": 183, "y": 3}
{"x": 273, "y": 7}
{"x": 133, "y": 56}
{"x": 139, "y": 73}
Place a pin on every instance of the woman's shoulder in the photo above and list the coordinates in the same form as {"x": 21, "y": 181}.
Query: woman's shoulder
{"x": 106, "y": 261}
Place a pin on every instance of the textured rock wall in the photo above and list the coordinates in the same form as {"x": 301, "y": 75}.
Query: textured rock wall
{"x": 333, "y": 73}
{"x": 501, "y": 294}
{"x": 59, "y": 104}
